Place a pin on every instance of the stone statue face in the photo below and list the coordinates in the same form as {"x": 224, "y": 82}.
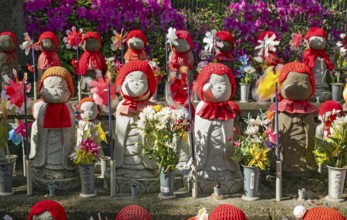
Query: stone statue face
{"x": 135, "y": 84}
{"x": 46, "y": 215}
{"x": 217, "y": 88}
{"x": 317, "y": 43}
{"x": 296, "y": 87}
{"x": 182, "y": 47}
{"x": 227, "y": 46}
{"x": 89, "y": 111}
{"x": 136, "y": 43}
{"x": 55, "y": 90}
{"x": 91, "y": 45}
{"x": 47, "y": 45}
{"x": 6, "y": 43}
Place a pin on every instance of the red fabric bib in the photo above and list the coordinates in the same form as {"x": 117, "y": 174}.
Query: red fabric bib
{"x": 57, "y": 116}
{"x": 97, "y": 60}
{"x": 180, "y": 59}
{"x": 292, "y": 107}
{"x": 224, "y": 56}
{"x": 48, "y": 59}
{"x": 132, "y": 54}
{"x": 130, "y": 106}
{"x": 311, "y": 55}
{"x": 217, "y": 111}
{"x": 9, "y": 55}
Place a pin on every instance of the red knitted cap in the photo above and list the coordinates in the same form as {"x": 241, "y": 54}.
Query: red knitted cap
{"x": 328, "y": 106}
{"x": 11, "y": 35}
{"x": 227, "y": 212}
{"x": 51, "y": 36}
{"x": 138, "y": 34}
{"x": 181, "y": 34}
{"x": 133, "y": 212}
{"x": 137, "y": 65}
{"x": 91, "y": 34}
{"x": 268, "y": 33}
{"x": 299, "y": 68}
{"x": 323, "y": 213}
{"x": 57, "y": 211}
{"x": 316, "y": 32}
{"x": 207, "y": 71}
{"x": 87, "y": 99}
{"x": 226, "y": 36}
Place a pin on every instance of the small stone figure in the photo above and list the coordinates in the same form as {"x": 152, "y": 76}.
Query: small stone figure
{"x": 47, "y": 210}
{"x": 136, "y": 42}
{"x": 91, "y": 60}
{"x": 48, "y": 43}
{"x": 317, "y": 59}
{"x": 328, "y": 112}
{"x": 8, "y": 59}
{"x": 296, "y": 117}
{"x": 137, "y": 84}
{"x": 224, "y": 54}
{"x": 89, "y": 112}
{"x": 214, "y": 124}
{"x": 53, "y": 132}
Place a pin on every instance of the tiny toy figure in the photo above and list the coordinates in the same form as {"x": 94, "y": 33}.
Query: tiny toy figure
{"x": 8, "y": 59}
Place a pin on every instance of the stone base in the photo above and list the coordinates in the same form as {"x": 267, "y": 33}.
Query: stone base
{"x": 87, "y": 196}
{"x": 7, "y": 194}
{"x": 250, "y": 198}
{"x": 334, "y": 200}
{"x": 64, "y": 181}
{"x": 205, "y": 186}
{"x": 216, "y": 197}
{"x": 166, "y": 197}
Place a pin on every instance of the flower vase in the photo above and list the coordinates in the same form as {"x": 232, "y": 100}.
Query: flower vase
{"x": 6, "y": 171}
{"x": 245, "y": 90}
{"x": 251, "y": 183}
{"x": 13, "y": 159}
{"x": 87, "y": 172}
{"x": 167, "y": 184}
{"x": 336, "y": 90}
{"x": 336, "y": 183}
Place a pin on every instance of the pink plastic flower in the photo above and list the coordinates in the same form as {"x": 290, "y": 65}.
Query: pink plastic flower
{"x": 90, "y": 146}
{"x": 296, "y": 41}
{"x": 271, "y": 135}
{"x": 99, "y": 89}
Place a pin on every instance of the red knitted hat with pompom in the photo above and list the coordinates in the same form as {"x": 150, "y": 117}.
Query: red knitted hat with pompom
{"x": 11, "y": 35}
{"x": 137, "y": 65}
{"x": 214, "y": 68}
{"x": 57, "y": 211}
{"x": 87, "y": 99}
{"x": 323, "y": 213}
{"x": 316, "y": 32}
{"x": 185, "y": 36}
{"x": 226, "y": 36}
{"x": 268, "y": 33}
{"x": 298, "y": 68}
{"x": 133, "y": 212}
{"x": 227, "y": 212}
{"x": 91, "y": 34}
{"x": 138, "y": 34}
{"x": 51, "y": 36}
{"x": 329, "y": 106}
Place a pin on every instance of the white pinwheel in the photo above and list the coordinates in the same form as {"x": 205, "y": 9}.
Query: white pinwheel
{"x": 171, "y": 36}
{"x": 267, "y": 45}
{"x": 27, "y": 44}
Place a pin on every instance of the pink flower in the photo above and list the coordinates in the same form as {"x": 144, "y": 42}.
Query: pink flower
{"x": 236, "y": 143}
{"x": 271, "y": 135}
{"x": 296, "y": 41}
{"x": 99, "y": 89}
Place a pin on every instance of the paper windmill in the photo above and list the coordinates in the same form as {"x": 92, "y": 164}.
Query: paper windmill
{"x": 171, "y": 36}
{"x": 266, "y": 45}
{"x": 99, "y": 89}
{"x": 211, "y": 42}
{"x": 28, "y": 44}
{"x": 266, "y": 85}
{"x": 15, "y": 90}
{"x": 73, "y": 38}
{"x": 21, "y": 129}
{"x": 342, "y": 44}
{"x": 118, "y": 40}
{"x": 296, "y": 41}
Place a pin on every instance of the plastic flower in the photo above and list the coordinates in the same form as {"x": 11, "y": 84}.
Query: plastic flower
{"x": 86, "y": 152}
{"x": 99, "y": 90}
{"x": 267, "y": 45}
{"x": 202, "y": 215}
{"x": 244, "y": 60}
{"x": 117, "y": 40}
{"x": 171, "y": 36}
{"x": 73, "y": 38}
{"x": 296, "y": 41}
{"x": 259, "y": 157}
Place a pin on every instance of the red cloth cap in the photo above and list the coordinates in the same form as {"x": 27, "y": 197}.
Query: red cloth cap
{"x": 316, "y": 32}
{"x": 181, "y": 34}
{"x": 11, "y": 35}
{"x": 138, "y": 34}
{"x": 329, "y": 106}
{"x": 57, "y": 211}
{"x": 298, "y": 68}
{"x": 91, "y": 34}
{"x": 133, "y": 212}
{"x": 87, "y": 99}
{"x": 51, "y": 36}
{"x": 268, "y": 33}
{"x": 226, "y": 36}
{"x": 229, "y": 212}
{"x": 207, "y": 71}
{"x": 137, "y": 65}
{"x": 323, "y": 213}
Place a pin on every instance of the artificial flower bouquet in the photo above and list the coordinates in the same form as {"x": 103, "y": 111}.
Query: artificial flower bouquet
{"x": 332, "y": 150}
{"x": 162, "y": 129}
{"x": 158, "y": 73}
{"x": 246, "y": 71}
{"x": 252, "y": 147}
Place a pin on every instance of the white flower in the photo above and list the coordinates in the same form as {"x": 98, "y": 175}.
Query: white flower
{"x": 258, "y": 59}
{"x": 252, "y": 130}
{"x": 249, "y": 69}
{"x": 171, "y": 36}
{"x": 266, "y": 45}
{"x": 343, "y": 51}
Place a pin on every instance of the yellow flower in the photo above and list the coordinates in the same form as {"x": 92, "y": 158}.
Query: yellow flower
{"x": 259, "y": 156}
{"x": 157, "y": 108}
